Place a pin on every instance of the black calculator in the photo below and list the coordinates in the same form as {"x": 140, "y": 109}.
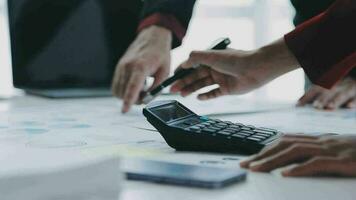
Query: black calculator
{"x": 184, "y": 130}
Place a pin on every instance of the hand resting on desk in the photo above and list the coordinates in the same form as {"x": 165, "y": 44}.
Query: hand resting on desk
{"x": 313, "y": 156}
{"x": 341, "y": 95}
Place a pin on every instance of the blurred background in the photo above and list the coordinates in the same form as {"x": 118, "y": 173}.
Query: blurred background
{"x": 249, "y": 24}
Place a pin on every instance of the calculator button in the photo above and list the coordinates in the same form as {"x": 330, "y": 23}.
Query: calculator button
{"x": 207, "y": 130}
{"x": 228, "y": 122}
{"x": 230, "y": 131}
{"x": 260, "y": 137}
{"x": 206, "y": 123}
{"x": 263, "y": 134}
{"x": 247, "y": 132}
{"x": 194, "y": 128}
{"x": 211, "y": 122}
{"x": 235, "y": 129}
{"x": 266, "y": 129}
{"x": 235, "y": 126}
{"x": 224, "y": 133}
{"x": 251, "y": 127}
{"x": 245, "y": 128}
{"x": 238, "y": 124}
{"x": 220, "y": 127}
{"x": 243, "y": 134}
{"x": 203, "y": 118}
{"x": 238, "y": 136}
{"x": 214, "y": 128}
{"x": 254, "y": 139}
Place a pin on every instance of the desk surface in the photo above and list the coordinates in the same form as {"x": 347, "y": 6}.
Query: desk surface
{"x": 95, "y": 127}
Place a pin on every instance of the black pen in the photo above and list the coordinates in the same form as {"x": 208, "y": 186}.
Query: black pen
{"x": 220, "y": 44}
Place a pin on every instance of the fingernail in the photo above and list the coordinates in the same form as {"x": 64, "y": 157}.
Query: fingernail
{"x": 317, "y": 104}
{"x": 202, "y": 98}
{"x": 125, "y": 108}
{"x": 244, "y": 164}
{"x": 331, "y": 105}
{"x": 183, "y": 93}
{"x": 351, "y": 105}
{"x": 286, "y": 172}
{"x": 255, "y": 166}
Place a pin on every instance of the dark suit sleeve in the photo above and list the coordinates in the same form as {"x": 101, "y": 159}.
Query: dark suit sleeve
{"x": 172, "y": 14}
{"x": 325, "y": 46}
{"x": 353, "y": 74}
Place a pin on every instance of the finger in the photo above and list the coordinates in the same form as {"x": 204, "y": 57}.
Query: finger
{"x": 309, "y": 96}
{"x": 338, "y": 100}
{"x": 212, "y": 94}
{"x": 115, "y": 85}
{"x": 116, "y": 81}
{"x": 351, "y": 103}
{"x": 278, "y": 147}
{"x": 197, "y": 85}
{"x": 159, "y": 77}
{"x": 133, "y": 90}
{"x": 199, "y": 73}
{"x": 322, "y": 100}
{"x": 292, "y": 154}
{"x": 223, "y": 89}
{"x": 300, "y": 136}
{"x": 323, "y": 166}
{"x": 123, "y": 82}
{"x": 200, "y": 58}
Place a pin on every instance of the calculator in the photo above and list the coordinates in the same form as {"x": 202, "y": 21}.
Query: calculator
{"x": 184, "y": 130}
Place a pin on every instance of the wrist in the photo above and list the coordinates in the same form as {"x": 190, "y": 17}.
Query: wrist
{"x": 157, "y": 35}
{"x": 275, "y": 59}
{"x": 157, "y": 32}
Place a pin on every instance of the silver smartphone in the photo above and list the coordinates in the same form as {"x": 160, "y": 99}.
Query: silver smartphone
{"x": 182, "y": 174}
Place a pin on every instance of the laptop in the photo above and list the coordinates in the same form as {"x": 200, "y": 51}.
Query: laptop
{"x": 73, "y": 62}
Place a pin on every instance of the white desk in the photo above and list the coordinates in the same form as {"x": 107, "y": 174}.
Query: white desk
{"x": 95, "y": 127}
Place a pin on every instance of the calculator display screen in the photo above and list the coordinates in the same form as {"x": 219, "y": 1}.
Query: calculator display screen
{"x": 170, "y": 112}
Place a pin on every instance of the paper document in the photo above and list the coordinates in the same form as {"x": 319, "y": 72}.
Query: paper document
{"x": 34, "y": 175}
{"x": 228, "y": 105}
{"x": 78, "y": 123}
{"x": 304, "y": 120}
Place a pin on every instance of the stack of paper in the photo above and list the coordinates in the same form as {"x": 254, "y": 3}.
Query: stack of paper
{"x": 52, "y": 177}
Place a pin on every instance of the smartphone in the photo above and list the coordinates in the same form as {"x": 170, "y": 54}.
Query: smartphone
{"x": 181, "y": 174}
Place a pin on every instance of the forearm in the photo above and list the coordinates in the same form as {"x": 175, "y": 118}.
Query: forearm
{"x": 274, "y": 59}
{"x": 174, "y": 15}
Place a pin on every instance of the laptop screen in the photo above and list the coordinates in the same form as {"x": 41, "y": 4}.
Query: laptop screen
{"x": 62, "y": 44}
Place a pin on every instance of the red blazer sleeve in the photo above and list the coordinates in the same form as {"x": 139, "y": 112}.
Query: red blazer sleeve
{"x": 325, "y": 46}
{"x": 167, "y": 21}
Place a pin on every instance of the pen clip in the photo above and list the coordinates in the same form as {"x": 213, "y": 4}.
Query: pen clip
{"x": 220, "y": 44}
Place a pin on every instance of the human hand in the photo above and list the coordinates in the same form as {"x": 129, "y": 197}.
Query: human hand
{"x": 342, "y": 95}
{"x": 148, "y": 55}
{"x": 313, "y": 156}
{"x": 234, "y": 71}
{"x": 230, "y": 69}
